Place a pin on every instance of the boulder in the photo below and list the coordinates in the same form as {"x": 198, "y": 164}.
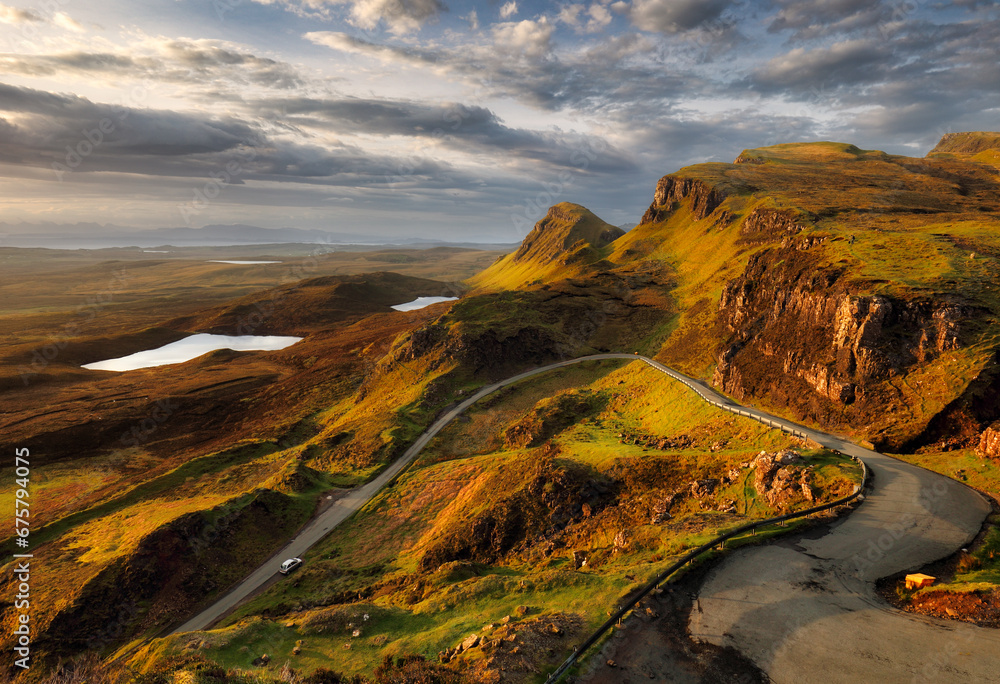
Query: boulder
{"x": 989, "y": 442}
{"x": 807, "y": 492}
{"x": 621, "y": 539}
{"x": 787, "y": 457}
{"x": 765, "y": 467}
{"x": 703, "y": 488}
{"x": 661, "y": 509}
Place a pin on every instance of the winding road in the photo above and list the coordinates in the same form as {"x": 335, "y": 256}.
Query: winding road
{"x": 350, "y": 503}
{"x": 803, "y": 614}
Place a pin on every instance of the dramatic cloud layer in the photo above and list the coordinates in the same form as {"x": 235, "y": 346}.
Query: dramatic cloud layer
{"x": 425, "y": 118}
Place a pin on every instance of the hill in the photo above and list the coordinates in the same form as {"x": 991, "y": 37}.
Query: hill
{"x": 853, "y": 288}
{"x": 569, "y": 240}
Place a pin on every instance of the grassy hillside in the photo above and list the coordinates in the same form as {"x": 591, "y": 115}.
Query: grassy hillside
{"x": 154, "y": 490}
{"x": 492, "y": 525}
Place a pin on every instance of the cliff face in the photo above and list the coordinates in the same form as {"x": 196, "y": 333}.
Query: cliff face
{"x": 670, "y": 189}
{"x": 801, "y": 333}
{"x": 968, "y": 143}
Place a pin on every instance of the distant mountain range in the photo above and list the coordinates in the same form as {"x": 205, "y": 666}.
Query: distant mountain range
{"x": 96, "y": 236}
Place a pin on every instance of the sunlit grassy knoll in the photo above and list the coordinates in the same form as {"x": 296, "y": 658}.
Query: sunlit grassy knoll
{"x": 928, "y": 389}
{"x": 963, "y": 465}
{"x": 480, "y": 430}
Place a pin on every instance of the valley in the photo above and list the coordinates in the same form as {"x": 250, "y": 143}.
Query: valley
{"x": 850, "y": 291}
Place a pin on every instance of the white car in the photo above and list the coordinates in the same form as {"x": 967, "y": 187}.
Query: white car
{"x": 290, "y": 565}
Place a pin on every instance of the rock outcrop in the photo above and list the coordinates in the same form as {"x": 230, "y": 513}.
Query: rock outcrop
{"x": 989, "y": 442}
{"x": 778, "y": 481}
{"x": 769, "y": 223}
{"x": 967, "y": 143}
{"x": 670, "y": 189}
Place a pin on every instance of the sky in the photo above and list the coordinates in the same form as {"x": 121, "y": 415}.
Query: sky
{"x": 460, "y": 121}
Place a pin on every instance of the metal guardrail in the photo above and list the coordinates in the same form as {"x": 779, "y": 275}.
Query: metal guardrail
{"x": 709, "y": 545}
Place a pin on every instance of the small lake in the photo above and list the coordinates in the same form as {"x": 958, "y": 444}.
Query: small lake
{"x": 239, "y": 261}
{"x": 421, "y": 302}
{"x": 193, "y": 347}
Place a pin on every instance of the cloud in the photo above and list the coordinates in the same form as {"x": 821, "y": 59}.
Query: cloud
{"x": 813, "y": 19}
{"x": 598, "y": 17}
{"x": 16, "y": 15}
{"x": 387, "y": 53}
{"x": 620, "y": 71}
{"x": 675, "y": 16}
{"x": 570, "y": 14}
{"x": 975, "y": 4}
{"x": 74, "y": 134}
{"x": 684, "y": 137}
{"x": 199, "y": 63}
{"x": 847, "y": 63}
{"x": 470, "y": 130}
{"x": 63, "y": 20}
{"x": 508, "y": 9}
{"x": 400, "y": 16}
{"x": 532, "y": 38}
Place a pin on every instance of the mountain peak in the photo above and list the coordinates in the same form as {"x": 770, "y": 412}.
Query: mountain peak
{"x": 564, "y": 226}
{"x": 567, "y": 234}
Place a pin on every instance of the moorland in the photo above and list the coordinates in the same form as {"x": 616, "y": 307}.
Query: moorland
{"x": 848, "y": 289}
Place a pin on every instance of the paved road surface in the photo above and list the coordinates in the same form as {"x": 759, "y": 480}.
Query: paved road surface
{"x": 807, "y": 614}
{"x": 810, "y": 613}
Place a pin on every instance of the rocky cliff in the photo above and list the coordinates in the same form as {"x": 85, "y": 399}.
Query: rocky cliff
{"x": 825, "y": 287}
{"x": 802, "y": 334}
{"x": 672, "y": 189}
{"x": 971, "y": 143}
